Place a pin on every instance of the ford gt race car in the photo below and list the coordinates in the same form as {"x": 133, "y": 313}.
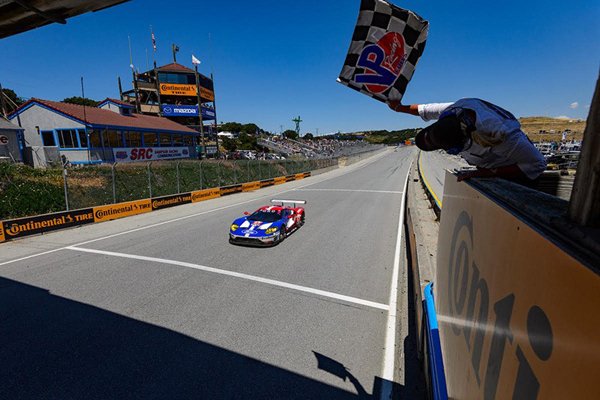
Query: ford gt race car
{"x": 269, "y": 225}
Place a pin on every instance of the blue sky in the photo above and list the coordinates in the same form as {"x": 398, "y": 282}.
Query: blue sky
{"x": 274, "y": 60}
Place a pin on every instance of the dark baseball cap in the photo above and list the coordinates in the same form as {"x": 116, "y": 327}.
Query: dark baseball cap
{"x": 443, "y": 134}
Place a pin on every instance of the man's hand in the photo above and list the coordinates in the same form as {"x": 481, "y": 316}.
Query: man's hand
{"x": 395, "y": 105}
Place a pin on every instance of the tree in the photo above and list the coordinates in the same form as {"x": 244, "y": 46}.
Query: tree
{"x": 82, "y": 101}
{"x": 234, "y": 127}
{"x": 290, "y": 134}
{"x": 12, "y": 101}
{"x": 247, "y": 142}
{"x": 229, "y": 144}
{"x": 309, "y": 136}
{"x": 250, "y": 129}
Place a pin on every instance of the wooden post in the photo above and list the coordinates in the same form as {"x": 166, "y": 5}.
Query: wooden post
{"x": 584, "y": 207}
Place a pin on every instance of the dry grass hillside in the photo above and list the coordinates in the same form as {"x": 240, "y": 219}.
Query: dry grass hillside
{"x": 553, "y": 128}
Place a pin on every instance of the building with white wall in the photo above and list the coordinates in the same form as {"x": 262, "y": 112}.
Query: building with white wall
{"x": 56, "y": 131}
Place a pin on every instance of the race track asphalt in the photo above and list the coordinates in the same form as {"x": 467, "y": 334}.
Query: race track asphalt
{"x": 161, "y": 306}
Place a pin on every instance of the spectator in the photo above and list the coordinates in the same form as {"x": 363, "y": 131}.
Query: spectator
{"x": 484, "y": 134}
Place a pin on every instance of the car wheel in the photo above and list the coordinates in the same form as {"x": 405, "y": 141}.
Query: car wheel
{"x": 302, "y": 219}
{"x": 283, "y": 234}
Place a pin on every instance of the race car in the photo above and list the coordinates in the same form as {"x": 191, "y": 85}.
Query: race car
{"x": 269, "y": 225}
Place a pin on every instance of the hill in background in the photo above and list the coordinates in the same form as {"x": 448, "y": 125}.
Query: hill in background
{"x": 554, "y": 127}
{"x": 534, "y": 127}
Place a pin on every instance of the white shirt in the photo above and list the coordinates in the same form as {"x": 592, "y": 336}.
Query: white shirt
{"x": 498, "y": 140}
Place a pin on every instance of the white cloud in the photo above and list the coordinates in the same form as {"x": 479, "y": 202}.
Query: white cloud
{"x": 574, "y": 105}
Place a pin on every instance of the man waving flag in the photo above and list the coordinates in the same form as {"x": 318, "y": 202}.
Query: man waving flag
{"x": 386, "y": 45}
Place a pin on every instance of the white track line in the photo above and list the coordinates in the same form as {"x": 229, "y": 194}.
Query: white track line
{"x": 375, "y": 158}
{"x": 349, "y": 190}
{"x": 390, "y": 334}
{"x": 272, "y": 282}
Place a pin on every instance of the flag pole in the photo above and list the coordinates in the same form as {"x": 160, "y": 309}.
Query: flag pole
{"x": 135, "y": 86}
{"x": 215, "y": 110}
{"x": 203, "y": 153}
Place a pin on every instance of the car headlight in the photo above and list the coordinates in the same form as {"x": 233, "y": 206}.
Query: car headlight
{"x": 271, "y": 230}
{"x": 234, "y": 227}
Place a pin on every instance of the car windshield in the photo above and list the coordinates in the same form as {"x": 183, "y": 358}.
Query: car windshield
{"x": 265, "y": 216}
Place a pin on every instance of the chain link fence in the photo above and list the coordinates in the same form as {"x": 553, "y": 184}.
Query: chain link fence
{"x": 25, "y": 191}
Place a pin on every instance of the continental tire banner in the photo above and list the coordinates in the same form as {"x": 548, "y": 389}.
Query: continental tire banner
{"x": 290, "y": 178}
{"x": 207, "y": 194}
{"x": 227, "y": 190}
{"x": 120, "y": 210}
{"x": 279, "y": 180}
{"x": 298, "y": 176}
{"x": 177, "y": 89}
{"x": 21, "y": 227}
{"x": 250, "y": 186}
{"x": 267, "y": 182}
{"x": 159, "y": 203}
{"x": 2, "y": 239}
{"x": 518, "y": 315}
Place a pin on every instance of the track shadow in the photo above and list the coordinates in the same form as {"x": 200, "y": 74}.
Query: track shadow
{"x": 55, "y": 348}
{"x": 415, "y": 385}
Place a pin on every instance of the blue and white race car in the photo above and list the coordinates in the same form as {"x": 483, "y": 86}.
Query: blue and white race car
{"x": 269, "y": 225}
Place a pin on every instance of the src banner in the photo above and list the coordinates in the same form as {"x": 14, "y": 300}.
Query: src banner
{"x": 386, "y": 45}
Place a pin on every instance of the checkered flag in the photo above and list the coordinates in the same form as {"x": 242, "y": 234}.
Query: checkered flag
{"x": 386, "y": 45}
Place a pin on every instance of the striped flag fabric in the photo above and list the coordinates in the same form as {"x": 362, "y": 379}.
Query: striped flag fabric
{"x": 153, "y": 42}
{"x": 386, "y": 46}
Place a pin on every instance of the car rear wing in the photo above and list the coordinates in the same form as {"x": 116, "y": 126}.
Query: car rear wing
{"x": 294, "y": 202}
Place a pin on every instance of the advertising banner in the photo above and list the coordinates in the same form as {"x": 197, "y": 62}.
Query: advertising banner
{"x": 250, "y": 186}
{"x": 290, "y": 178}
{"x": 172, "y": 110}
{"x": 159, "y": 203}
{"x": 299, "y": 176}
{"x": 517, "y": 313}
{"x": 133, "y": 154}
{"x": 2, "y": 239}
{"x": 267, "y": 182}
{"x": 44, "y": 223}
{"x": 279, "y": 180}
{"x": 206, "y": 194}
{"x": 177, "y": 89}
{"x": 207, "y": 94}
{"x": 120, "y": 210}
{"x": 226, "y": 190}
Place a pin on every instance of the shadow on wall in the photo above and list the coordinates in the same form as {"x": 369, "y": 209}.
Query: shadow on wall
{"x": 55, "y": 348}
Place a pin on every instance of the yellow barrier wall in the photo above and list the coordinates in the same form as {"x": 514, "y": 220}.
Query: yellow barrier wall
{"x": 11, "y": 229}
{"x": 250, "y": 186}
{"x": 518, "y": 315}
{"x": 120, "y": 210}
{"x": 206, "y": 194}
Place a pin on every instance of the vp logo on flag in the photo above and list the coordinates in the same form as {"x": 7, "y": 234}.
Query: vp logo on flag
{"x": 386, "y": 45}
{"x": 382, "y": 62}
